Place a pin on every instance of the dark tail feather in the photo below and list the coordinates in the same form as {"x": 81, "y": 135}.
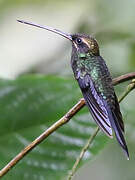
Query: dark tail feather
{"x": 119, "y": 133}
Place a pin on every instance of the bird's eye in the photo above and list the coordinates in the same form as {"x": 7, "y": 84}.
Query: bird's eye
{"x": 78, "y": 40}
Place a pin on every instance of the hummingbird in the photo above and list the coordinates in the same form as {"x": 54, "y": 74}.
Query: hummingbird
{"x": 95, "y": 82}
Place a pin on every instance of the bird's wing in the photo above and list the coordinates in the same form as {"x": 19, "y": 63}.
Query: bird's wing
{"x": 105, "y": 116}
{"x": 95, "y": 104}
{"x": 117, "y": 113}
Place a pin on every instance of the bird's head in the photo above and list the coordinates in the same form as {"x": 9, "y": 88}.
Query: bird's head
{"x": 85, "y": 44}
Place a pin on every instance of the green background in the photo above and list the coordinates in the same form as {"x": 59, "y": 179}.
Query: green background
{"x": 37, "y": 87}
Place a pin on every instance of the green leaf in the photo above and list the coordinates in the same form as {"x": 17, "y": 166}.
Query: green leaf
{"x": 28, "y": 106}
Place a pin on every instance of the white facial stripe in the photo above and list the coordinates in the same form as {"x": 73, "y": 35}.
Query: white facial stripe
{"x": 86, "y": 42}
{"x": 75, "y": 45}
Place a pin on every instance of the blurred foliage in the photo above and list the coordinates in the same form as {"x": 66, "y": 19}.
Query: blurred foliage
{"x": 29, "y": 105}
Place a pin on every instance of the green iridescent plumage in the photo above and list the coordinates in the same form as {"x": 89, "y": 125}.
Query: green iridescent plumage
{"x": 98, "y": 72}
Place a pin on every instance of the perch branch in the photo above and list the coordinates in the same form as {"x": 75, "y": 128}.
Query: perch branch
{"x": 55, "y": 126}
{"x": 123, "y": 78}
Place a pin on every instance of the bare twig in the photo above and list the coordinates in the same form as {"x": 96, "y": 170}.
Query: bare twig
{"x": 129, "y": 88}
{"x": 55, "y": 126}
{"x": 84, "y": 149}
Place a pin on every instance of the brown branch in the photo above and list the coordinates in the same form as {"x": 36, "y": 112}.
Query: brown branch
{"x": 55, "y": 126}
{"x": 123, "y": 78}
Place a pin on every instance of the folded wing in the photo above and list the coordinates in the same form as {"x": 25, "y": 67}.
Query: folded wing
{"x": 95, "y": 104}
{"x": 106, "y": 117}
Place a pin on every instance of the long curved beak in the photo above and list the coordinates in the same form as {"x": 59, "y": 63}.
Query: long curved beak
{"x": 68, "y": 36}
